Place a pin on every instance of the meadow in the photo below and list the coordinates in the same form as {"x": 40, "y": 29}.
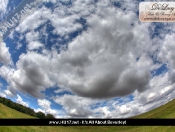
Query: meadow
{"x": 165, "y": 111}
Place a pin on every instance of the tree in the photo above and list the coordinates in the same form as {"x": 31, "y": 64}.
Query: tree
{"x": 40, "y": 115}
{"x": 50, "y": 116}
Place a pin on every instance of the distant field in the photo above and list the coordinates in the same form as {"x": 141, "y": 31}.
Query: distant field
{"x": 165, "y": 111}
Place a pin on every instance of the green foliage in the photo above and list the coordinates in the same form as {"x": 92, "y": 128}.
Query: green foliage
{"x": 40, "y": 115}
{"x": 50, "y": 116}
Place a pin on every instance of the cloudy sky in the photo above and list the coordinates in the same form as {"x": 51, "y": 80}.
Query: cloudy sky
{"x": 88, "y": 58}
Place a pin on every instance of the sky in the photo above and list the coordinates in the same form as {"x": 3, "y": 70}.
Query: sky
{"x": 87, "y": 59}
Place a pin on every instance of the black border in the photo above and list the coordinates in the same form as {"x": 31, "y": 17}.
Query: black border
{"x": 87, "y": 122}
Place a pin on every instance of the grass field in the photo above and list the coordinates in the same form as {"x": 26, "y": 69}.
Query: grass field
{"x": 165, "y": 111}
{"x": 6, "y": 112}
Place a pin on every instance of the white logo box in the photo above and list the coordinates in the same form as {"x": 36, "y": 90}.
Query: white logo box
{"x": 157, "y": 11}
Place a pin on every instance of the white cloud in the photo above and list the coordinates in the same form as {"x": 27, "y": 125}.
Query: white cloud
{"x": 39, "y": 110}
{"x": 112, "y": 58}
{"x": 34, "y": 45}
{"x": 65, "y": 1}
{"x": 124, "y": 109}
{"x": 65, "y": 25}
{"x": 33, "y": 40}
{"x": 3, "y": 8}
{"x": 105, "y": 63}
{"x": 75, "y": 106}
{"x": 46, "y": 108}
{"x": 61, "y": 90}
{"x": 166, "y": 54}
{"x": 19, "y": 45}
{"x": 45, "y": 104}
{"x": 32, "y": 36}
{"x": 20, "y": 101}
{"x": 47, "y": 1}
{"x": 5, "y": 56}
{"x": 33, "y": 21}
{"x": 32, "y": 67}
{"x": 1, "y": 92}
{"x": 6, "y": 72}
{"x": 62, "y": 18}
{"x": 8, "y": 93}
{"x": 36, "y": 73}
{"x": 3, "y": 95}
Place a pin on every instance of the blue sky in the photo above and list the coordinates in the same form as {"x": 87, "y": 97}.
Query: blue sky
{"x": 87, "y": 59}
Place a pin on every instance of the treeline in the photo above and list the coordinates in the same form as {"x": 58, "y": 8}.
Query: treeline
{"x": 25, "y": 109}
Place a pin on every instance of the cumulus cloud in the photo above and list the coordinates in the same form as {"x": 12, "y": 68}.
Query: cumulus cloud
{"x": 113, "y": 57}
{"x": 39, "y": 110}
{"x": 34, "y": 79}
{"x": 105, "y": 63}
{"x": 3, "y": 7}
{"x": 45, "y": 104}
{"x": 32, "y": 39}
{"x": 65, "y": 1}
{"x": 62, "y": 24}
{"x": 123, "y": 107}
{"x": 6, "y": 73}
{"x": 33, "y": 21}
{"x": 8, "y": 93}
{"x": 1, "y": 92}
{"x": 75, "y": 106}
{"x": 34, "y": 45}
{"x": 47, "y": 1}
{"x": 103, "y": 66}
{"x": 5, "y": 56}
{"x": 166, "y": 54}
{"x": 20, "y": 101}
{"x": 30, "y": 76}
{"x": 46, "y": 108}
{"x": 3, "y": 95}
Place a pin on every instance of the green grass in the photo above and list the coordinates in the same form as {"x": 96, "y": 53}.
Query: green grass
{"x": 6, "y": 112}
{"x": 165, "y": 111}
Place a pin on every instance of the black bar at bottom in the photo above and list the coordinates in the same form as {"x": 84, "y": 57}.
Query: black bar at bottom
{"x": 86, "y": 122}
